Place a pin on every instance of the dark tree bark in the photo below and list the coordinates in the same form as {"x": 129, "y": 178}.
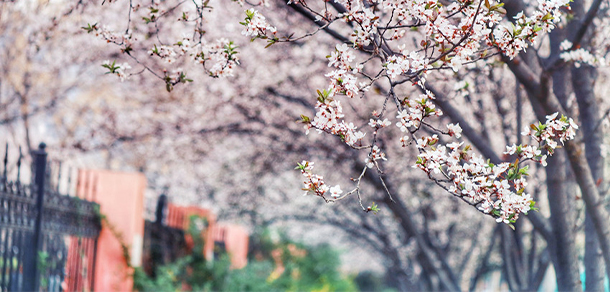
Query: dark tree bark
{"x": 561, "y": 204}
{"x": 583, "y": 80}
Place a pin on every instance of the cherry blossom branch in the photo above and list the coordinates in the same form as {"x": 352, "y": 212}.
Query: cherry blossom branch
{"x": 576, "y": 38}
{"x": 315, "y": 184}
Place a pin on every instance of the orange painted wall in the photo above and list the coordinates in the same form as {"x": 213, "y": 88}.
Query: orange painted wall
{"x": 235, "y": 239}
{"x": 178, "y": 217}
{"x": 121, "y": 199}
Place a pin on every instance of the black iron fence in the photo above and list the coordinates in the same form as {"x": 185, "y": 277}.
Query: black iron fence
{"x": 162, "y": 244}
{"x": 48, "y": 240}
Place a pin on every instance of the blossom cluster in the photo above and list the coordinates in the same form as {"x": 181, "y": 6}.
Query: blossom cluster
{"x": 328, "y": 119}
{"x": 397, "y": 65}
{"x": 458, "y": 38}
{"x": 460, "y": 29}
{"x": 367, "y": 21}
{"x": 483, "y": 184}
{"x": 580, "y": 56}
{"x": 166, "y": 53}
{"x": 342, "y": 79}
{"x": 256, "y": 25}
{"x": 117, "y": 69}
{"x": 217, "y": 58}
{"x": 527, "y": 29}
{"x": 176, "y": 76}
{"x": 343, "y": 82}
{"x": 221, "y": 54}
{"x": 124, "y": 40}
{"x": 495, "y": 189}
{"x": 314, "y": 184}
{"x": 378, "y": 123}
{"x": 329, "y": 112}
{"x": 341, "y": 58}
{"x": 415, "y": 111}
{"x": 555, "y": 128}
{"x": 375, "y": 155}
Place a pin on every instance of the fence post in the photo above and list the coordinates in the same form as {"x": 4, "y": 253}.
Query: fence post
{"x": 158, "y": 237}
{"x": 32, "y": 274}
{"x": 161, "y": 209}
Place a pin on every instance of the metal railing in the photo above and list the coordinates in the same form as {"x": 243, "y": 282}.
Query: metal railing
{"x": 48, "y": 240}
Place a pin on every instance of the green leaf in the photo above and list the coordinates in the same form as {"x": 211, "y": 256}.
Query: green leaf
{"x": 271, "y": 42}
{"x": 523, "y": 171}
{"x": 111, "y": 67}
{"x": 301, "y": 166}
{"x": 305, "y": 119}
{"x": 89, "y": 28}
{"x": 548, "y": 16}
{"x": 373, "y": 208}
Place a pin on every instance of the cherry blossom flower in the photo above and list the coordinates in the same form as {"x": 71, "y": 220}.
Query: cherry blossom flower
{"x": 341, "y": 57}
{"x": 335, "y": 191}
{"x": 375, "y": 155}
{"x": 454, "y": 130}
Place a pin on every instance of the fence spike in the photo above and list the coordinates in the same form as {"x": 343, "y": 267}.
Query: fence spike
{"x": 5, "y": 161}
{"x": 19, "y": 166}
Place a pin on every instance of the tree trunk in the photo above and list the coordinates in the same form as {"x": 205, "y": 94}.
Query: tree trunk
{"x": 583, "y": 82}
{"x": 539, "y": 95}
{"x": 562, "y": 220}
{"x": 583, "y": 79}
